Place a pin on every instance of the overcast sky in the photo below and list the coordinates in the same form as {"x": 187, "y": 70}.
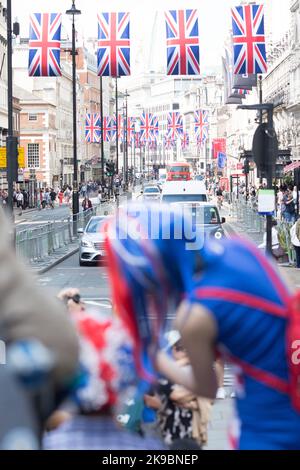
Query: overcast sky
{"x": 148, "y": 46}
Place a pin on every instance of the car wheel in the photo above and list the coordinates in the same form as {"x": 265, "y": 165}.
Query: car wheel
{"x": 82, "y": 263}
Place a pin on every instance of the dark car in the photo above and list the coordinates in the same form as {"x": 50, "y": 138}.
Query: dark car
{"x": 207, "y": 217}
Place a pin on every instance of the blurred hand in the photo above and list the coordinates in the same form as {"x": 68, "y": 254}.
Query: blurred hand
{"x": 67, "y": 295}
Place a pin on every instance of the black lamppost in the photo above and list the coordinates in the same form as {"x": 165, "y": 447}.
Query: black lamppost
{"x": 74, "y": 12}
{"x": 11, "y": 140}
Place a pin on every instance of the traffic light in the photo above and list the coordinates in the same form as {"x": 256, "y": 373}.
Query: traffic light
{"x": 110, "y": 168}
{"x": 246, "y": 167}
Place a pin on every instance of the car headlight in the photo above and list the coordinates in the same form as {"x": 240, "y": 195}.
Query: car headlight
{"x": 218, "y": 235}
{"x": 86, "y": 244}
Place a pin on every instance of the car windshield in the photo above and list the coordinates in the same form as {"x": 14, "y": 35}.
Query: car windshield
{"x": 170, "y": 198}
{"x": 184, "y": 169}
{"x": 203, "y": 215}
{"x": 151, "y": 190}
{"x": 94, "y": 225}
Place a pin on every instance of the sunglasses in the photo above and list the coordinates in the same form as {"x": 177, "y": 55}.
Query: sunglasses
{"x": 76, "y": 298}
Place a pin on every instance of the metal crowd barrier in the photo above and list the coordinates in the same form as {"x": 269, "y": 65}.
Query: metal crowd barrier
{"x": 247, "y": 216}
{"x": 38, "y": 244}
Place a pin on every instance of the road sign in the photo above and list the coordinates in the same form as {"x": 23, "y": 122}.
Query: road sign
{"x": 21, "y": 157}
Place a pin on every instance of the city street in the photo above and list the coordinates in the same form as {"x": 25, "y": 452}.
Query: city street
{"x": 189, "y": 114}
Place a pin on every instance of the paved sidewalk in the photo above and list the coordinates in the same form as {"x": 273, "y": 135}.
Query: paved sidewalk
{"x": 218, "y": 427}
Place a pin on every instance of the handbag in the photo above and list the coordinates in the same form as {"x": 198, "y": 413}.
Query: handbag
{"x": 278, "y": 252}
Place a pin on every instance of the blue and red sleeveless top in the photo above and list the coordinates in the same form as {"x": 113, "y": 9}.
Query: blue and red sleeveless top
{"x": 248, "y": 299}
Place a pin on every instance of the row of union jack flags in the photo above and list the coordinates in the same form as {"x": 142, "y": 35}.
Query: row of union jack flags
{"x": 149, "y": 129}
{"x": 182, "y": 42}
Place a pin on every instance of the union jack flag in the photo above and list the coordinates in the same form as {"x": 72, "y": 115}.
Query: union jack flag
{"x": 130, "y": 130}
{"x": 249, "y": 39}
{"x": 185, "y": 141}
{"x": 155, "y": 128}
{"x": 201, "y": 126}
{"x": 146, "y": 127}
{"x": 108, "y": 129}
{"x": 183, "y": 54}
{"x": 92, "y": 128}
{"x": 44, "y": 45}
{"x": 175, "y": 125}
{"x": 113, "y": 44}
{"x": 168, "y": 142}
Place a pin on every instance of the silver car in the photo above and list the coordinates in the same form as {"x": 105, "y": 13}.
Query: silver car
{"x": 91, "y": 247}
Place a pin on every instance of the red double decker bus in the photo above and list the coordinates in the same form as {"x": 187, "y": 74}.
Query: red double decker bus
{"x": 179, "y": 171}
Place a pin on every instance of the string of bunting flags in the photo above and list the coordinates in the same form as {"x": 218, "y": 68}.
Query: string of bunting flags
{"x": 182, "y": 42}
{"x": 243, "y": 60}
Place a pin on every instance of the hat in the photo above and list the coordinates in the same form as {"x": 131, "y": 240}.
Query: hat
{"x": 172, "y": 338}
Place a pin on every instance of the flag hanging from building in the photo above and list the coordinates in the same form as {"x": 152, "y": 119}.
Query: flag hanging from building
{"x": 183, "y": 51}
{"x": 130, "y": 130}
{"x": 175, "y": 125}
{"x": 92, "y": 128}
{"x": 146, "y": 127}
{"x": 109, "y": 129}
{"x": 168, "y": 142}
{"x": 155, "y": 128}
{"x": 218, "y": 146}
{"x": 222, "y": 158}
{"x": 185, "y": 141}
{"x": 201, "y": 126}
{"x": 249, "y": 44}
{"x": 44, "y": 45}
{"x": 120, "y": 126}
{"x": 113, "y": 44}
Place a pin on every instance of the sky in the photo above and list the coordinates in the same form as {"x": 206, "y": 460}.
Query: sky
{"x": 148, "y": 46}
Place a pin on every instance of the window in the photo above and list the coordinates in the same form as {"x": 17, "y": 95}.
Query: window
{"x": 33, "y": 155}
{"x": 32, "y": 117}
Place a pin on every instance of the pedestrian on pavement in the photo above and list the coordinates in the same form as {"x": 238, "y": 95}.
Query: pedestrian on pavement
{"x": 289, "y": 211}
{"x": 87, "y": 204}
{"x": 47, "y": 198}
{"x": 67, "y": 195}
{"x": 107, "y": 373}
{"x": 20, "y": 201}
{"x": 53, "y": 196}
{"x": 61, "y": 197}
{"x": 295, "y": 239}
{"x": 235, "y": 304}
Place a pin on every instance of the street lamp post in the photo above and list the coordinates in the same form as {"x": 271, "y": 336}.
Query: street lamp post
{"x": 74, "y": 12}
{"x": 11, "y": 141}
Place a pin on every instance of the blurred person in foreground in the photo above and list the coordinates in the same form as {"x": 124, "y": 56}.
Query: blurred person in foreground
{"x": 107, "y": 378}
{"x": 41, "y": 344}
{"x": 229, "y": 300}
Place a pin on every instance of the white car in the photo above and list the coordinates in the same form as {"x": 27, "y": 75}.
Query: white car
{"x": 91, "y": 246}
{"x": 151, "y": 193}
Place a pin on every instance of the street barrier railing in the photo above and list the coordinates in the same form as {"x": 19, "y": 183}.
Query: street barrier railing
{"x": 38, "y": 244}
{"x": 247, "y": 216}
